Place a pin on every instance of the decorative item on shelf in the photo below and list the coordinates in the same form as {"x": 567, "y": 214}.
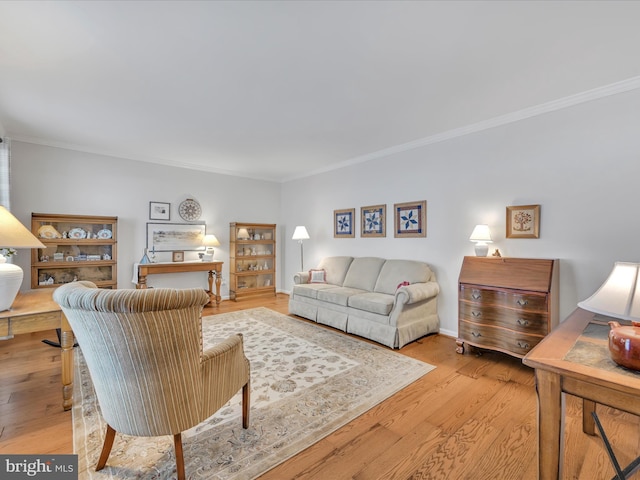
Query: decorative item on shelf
{"x": 177, "y": 257}
{"x": 48, "y": 231}
{"x": 77, "y": 233}
{"x": 209, "y": 242}
{"x": 104, "y": 234}
{"x": 243, "y": 234}
{"x": 12, "y": 235}
{"x": 190, "y": 210}
{"x": 145, "y": 258}
{"x": 496, "y": 253}
{"x": 619, "y": 297}
{"x": 481, "y": 235}
{"x": 300, "y": 234}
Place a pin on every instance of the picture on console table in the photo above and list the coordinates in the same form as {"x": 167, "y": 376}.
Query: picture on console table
{"x": 169, "y": 237}
{"x": 410, "y": 219}
{"x": 343, "y": 223}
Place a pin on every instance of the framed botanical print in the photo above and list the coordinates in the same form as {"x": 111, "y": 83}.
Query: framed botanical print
{"x": 373, "y": 220}
{"x": 523, "y": 221}
{"x": 410, "y": 219}
{"x": 343, "y": 223}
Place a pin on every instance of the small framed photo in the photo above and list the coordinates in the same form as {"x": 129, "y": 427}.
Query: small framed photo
{"x": 177, "y": 256}
{"x": 373, "y": 221}
{"x": 343, "y": 223}
{"x": 523, "y": 221}
{"x": 410, "y": 219}
{"x": 159, "y": 211}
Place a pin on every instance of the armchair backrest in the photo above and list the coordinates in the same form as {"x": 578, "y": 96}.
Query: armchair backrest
{"x": 143, "y": 349}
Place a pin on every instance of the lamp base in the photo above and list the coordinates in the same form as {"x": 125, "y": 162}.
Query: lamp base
{"x": 10, "y": 281}
{"x": 482, "y": 249}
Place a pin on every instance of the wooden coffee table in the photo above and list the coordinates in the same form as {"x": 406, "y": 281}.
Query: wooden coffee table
{"x": 35, "y": 311}
{"x": 572, "y": 359}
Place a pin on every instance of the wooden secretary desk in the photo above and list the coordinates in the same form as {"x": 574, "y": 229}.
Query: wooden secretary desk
{"x": 506, "y": 304}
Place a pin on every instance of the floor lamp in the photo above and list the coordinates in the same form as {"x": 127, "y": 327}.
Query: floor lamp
{"x": 300, "y": 234}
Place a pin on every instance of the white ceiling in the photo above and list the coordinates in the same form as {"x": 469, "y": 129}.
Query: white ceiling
{"x": 280, "y": 90}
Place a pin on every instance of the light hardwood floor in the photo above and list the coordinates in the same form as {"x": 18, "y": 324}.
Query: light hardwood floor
{"x": 473, "y": 417}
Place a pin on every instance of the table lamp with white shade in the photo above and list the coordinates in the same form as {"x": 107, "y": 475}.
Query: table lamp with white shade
{"x": 12, "y": 235}
{"x": 619, "y": 297}
{"x": 481, "y": 235}
{"x": 300, "y": 234}
{"x": 209, "y": 242}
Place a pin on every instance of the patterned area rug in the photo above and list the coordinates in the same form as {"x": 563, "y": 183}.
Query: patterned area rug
{"x": 306, "y": 382}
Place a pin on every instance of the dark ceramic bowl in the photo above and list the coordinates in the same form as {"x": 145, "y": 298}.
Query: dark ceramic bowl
{"x": 624, "y": 344}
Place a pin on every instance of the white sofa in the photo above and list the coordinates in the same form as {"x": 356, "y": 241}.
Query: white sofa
{"x": 362, "y": 296}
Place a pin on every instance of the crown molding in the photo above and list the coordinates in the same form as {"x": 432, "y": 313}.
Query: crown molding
{"x": 552, "y": 106}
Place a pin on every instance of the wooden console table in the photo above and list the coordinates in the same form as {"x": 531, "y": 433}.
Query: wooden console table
{"x": 181, "y": 267}
{"x": 573, "y": 360}
{"x": 35, "y": 311}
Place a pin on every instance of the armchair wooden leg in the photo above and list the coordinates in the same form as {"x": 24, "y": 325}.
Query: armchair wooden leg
{"x": 177, "y": 443}
{"x": 106, "y": 448}
{"x": 246, "y": 404}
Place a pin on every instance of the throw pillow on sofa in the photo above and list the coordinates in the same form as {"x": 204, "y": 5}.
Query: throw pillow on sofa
{"x": 317, "y": 276}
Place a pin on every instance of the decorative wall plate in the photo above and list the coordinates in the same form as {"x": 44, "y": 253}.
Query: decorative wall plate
{"x": 190, "y": 210}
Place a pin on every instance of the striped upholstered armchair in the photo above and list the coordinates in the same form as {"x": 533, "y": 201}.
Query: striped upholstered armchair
{"x": 143, "y": 349}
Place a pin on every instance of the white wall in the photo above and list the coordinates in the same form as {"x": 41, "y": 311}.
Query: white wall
{"x": 581, "y": 164}
{"x": 54, "y": 180}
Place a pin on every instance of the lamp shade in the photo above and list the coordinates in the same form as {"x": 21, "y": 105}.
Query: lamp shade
{"x": 300, "y": 233}
{"x": 619, "y": 295}
{"x": 12, "y": 235}
{"x": 15, "y": 235}
{"x": 481, "y": 233}
{"x": 210, "y": 240}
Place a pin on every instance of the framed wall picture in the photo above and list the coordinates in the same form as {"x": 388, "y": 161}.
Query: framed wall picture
{"x": 159, "y": 211}
{"x": 177, "y": 256}
{"x": 373, "y": 221}
{"x": 343, "y": 223}
{"x": 167, "y": 237}
{"x": 410, "y": 219}
{"x": 523, "y": 221}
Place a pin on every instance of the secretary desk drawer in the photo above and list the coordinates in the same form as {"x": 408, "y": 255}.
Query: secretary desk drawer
{"x": 505, "y": 298}
{"x": 522, "y": 321}
{"x": 501, "y": 339}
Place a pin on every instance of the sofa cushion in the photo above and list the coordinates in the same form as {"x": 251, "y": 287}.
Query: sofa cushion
{"x": 336, "y": 268}
{"x": 310, "y": 290}
{"x": 363, "y": 273}
{"x": 394, "y": 272}
{"x": 380, "y": 303}
{"x": 338, "y": 295}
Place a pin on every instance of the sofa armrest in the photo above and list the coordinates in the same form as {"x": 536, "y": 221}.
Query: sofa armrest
{"x": 301, "y": 277}
{"x": 417, "y": 292}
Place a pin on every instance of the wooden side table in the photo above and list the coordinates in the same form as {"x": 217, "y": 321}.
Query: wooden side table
{"x": 35, "y": 311}
{"x": 569, "y": 360}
